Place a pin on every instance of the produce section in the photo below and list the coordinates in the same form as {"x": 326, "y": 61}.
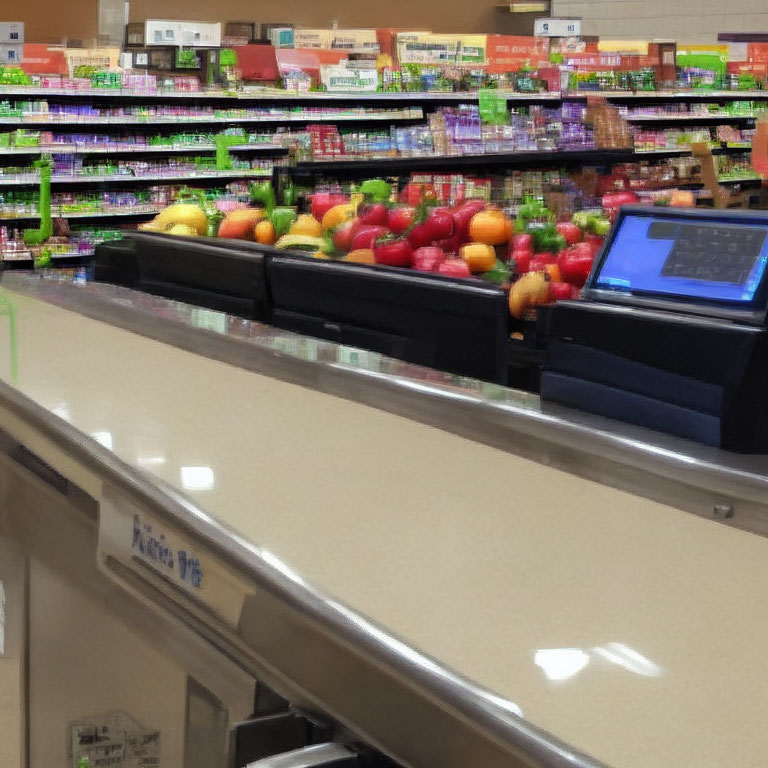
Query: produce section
{"x": 495, "y": 174}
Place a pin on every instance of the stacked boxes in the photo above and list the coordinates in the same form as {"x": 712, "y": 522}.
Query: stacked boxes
{"x": 11, "y": 42}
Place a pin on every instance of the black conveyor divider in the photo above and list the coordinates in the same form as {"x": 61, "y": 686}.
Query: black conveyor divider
{"x": 455, "y": 325}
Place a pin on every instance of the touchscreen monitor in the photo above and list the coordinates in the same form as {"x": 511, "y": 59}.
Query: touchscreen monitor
{"x": 713, "y": 258}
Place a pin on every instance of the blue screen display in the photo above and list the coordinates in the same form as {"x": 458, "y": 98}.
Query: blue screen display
{"x": 706, "y": 260}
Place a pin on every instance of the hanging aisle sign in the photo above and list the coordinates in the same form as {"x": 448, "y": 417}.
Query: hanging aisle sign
{"x": 557, "y": 27}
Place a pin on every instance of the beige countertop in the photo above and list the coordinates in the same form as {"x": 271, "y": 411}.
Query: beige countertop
{"x": 631, "y": 630}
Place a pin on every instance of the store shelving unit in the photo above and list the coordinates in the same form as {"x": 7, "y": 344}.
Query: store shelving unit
{"x": 278, "y": 109}
{"x": 124, "y": 178}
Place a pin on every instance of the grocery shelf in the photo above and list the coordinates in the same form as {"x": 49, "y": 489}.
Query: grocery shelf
{"x": 671, "y": 95}
{"x": 124, "y": 213}
{"x": 115, "y": 178}
{"x": 658, "y": 154}
{"x": 129, "y": 149}
{"x": 272, "y": 95}
{"x": 341, "y": 167}
{"x": 690, "y": 119}
{"x": 178, "y": 120}
{"x": 257, "y": 95}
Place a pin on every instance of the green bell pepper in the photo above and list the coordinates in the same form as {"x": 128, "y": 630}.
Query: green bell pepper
{"x": 376, "y": 190}
{"x": 263, "y": 194}
{"x": 282, "y": 217}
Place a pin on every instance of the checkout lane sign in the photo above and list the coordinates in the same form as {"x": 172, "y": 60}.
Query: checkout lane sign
{"x": 557, "y": 27}
{"x": 147, "y": 546}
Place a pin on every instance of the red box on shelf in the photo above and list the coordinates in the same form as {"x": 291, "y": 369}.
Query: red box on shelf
{"x": 39, "y": 59}
{"x": 257, "y": 62}
{"x": 507, "y": 53}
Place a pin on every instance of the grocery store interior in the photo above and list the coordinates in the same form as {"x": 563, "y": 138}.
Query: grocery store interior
{"x": 383, "y": 387}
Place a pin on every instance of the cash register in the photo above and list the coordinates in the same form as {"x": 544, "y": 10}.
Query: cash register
{"x": 671, "y": 329}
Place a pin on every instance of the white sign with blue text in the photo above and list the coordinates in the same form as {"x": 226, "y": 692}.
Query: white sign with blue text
{"x": 141, "y": 541}
{"x": 557, "y": 27}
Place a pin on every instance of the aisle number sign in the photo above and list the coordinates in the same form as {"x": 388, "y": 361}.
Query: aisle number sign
{"x": 557, "y": 27}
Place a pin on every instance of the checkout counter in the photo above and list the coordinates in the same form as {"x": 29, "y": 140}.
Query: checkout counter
{"x": 210, "y": 525}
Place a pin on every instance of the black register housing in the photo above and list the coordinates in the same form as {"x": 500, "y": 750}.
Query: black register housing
{"x": 672, "y": 332}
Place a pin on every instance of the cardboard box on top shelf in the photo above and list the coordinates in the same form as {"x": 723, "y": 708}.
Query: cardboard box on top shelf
{"x": 241, "y": 29}
{"x": 340, "y": 77}
{"x": 312, "y": 38}
{"x": 666, "y": 69}
{"x": 355, "y": 40}
{"x": 102, "y": 58}
{"x": 134, "y": 35}
{"x": 197, "y": 34}
{"x": 507, "y": 53}
{"x": 257, "y": 61}
{"x": 39, "y": 59}
{"x": 279, "y": 34}
{"x": 307, "y": 60}
{"x": 12, "y": 32}
{"x": 421, "y": 48}
{"x": 387, "y": 38}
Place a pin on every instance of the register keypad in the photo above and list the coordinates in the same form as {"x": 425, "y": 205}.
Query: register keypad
{"x": 714, "y": 254}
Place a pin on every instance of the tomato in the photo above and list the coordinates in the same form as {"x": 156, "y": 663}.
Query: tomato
{"x": 595, "y": 241}
{"x": 617, "y": 199}
{"x": 428, "y": 259}
{"x": 462, "y": 216}
{"x": 451, "y": 245}
{"x": 559, "y": 291}
{"x": 396, "y": 252}
{"x": 575, "y": 265}
{"x": 440, "y": 222}
{"x": 343, "y": 234}
{"x": 522, "y": 261}
{"x": 365, "y": 237}
{"x": 420, "y": 236}
{"x": 490, "y": 227}
{"x": 373, "y": 214}
{"x": 454, "y": 268}
{"x": 569, "y": 231}
{"x": 522, "y": 242}
{"x": 400, "y": 218}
